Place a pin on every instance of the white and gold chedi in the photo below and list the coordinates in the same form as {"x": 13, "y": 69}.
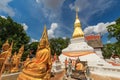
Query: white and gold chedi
{"x": 38, "y": 68}
{"x": 79, "y": 48}
{"x": 78, "y": 44}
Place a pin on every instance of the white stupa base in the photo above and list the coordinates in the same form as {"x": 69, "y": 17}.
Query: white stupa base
{"x": 78, "y": 45}
{"x": 92, "y": 59}
{"x": 96, "y": 64}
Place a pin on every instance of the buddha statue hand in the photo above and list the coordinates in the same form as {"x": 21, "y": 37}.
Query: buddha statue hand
{"x": 27, "y": 63}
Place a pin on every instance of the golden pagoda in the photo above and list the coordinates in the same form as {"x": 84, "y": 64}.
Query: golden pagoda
{"x": 77, "y": 27}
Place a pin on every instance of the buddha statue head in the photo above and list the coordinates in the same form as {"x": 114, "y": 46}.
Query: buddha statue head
{"x": 5, "y": 46}
{"x": 42, "y": 44}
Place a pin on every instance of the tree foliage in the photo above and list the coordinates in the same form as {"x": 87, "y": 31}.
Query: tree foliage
{"x": 57, "y": 44}
{"x": 111, "y": 48}
{"x": 114, "y": 30}
{"x": 12, "y": 31}
{"x": 107, "y": 50}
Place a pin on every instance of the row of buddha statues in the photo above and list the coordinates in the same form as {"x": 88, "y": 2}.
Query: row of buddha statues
{"x": 10, "y": 63}
{"x": 37, "y": 68}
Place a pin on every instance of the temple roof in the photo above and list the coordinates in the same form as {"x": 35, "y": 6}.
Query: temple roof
{"x": 94, "y": 41}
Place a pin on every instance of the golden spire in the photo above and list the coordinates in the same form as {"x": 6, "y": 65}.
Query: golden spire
{"x": 44, "y": 38}
{"x": 77, "y": 27}
{"x": 77, "y": 9}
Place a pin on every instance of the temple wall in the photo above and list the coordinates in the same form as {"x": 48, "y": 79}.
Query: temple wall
{"x": 112, "y": 71}
{"x": 98, "y": 52}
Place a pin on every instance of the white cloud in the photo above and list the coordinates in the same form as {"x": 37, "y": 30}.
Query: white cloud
{"x": 4, "y": 7}
{"x": 34, "y": 40}
{"x": 3, "y": 17}
{"x": 51, "y": 31}
{"x": 89, "y": 8}
{"x": 25, "y": 27}
{"x": 108, "y": 41}
{"x": 37, "y": 1}
{"x": 99, "y": 28}
{"x": 64, "y": 37}
{"x": 51, "y": 8}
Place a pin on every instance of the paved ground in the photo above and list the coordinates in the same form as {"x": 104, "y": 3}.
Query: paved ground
{"x": 99, "y": 77}
{"x": 59, "y": 76}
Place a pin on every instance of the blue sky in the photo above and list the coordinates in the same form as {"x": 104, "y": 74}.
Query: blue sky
{"x": 59, "y": 16}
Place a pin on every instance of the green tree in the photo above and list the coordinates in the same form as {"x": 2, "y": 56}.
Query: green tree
{"x": 114, "y": 30}
{"x": 107, "y": 50}
{"x": 33, "y": 47}
{"x": 57, "y": 44}
{"x": 12, "y": 31}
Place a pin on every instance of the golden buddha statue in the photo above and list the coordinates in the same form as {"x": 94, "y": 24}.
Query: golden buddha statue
{"x": 6, "y": 51}
{"x": 5, "y": 55}
{"x": 79, "y": 65}
{"x": 16, "y": 59}
{"x": 5, "y": 47}
{"x": 77, "y": 27}
{"x": 15, "y": 63}
{"x": 39, "y": 68}
{"x": 20, "y": 52}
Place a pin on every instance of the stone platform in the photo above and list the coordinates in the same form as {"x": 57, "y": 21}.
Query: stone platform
{"x": 12, "y": 76}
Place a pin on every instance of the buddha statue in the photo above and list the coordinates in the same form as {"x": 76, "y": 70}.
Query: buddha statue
{"x": 5, "y": 48}
{"x": 5, "y": 55}
{"x": 20, "y": 52}
{"x": 15, "y": 63}
{"x": 38, "y": 68}
{"x": 79, "y": 66}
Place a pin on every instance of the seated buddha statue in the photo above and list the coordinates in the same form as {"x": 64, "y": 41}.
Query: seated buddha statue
{"x": 15, "y": 63}
{"x": 5, "y": 55}
{"x": 39, "y": 67}
{"x": 4, "y": 52}
{"x": 5, "y": 48}
{"x": 79, "y": 66}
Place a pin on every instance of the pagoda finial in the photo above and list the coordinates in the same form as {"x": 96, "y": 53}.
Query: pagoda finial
{"x": 77, "y": 9}
{"x": 77, "y": 27}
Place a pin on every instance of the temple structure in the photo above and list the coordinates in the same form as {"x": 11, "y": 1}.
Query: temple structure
{"x": 94, "y": 40}
{"x": 79, "y": 48}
